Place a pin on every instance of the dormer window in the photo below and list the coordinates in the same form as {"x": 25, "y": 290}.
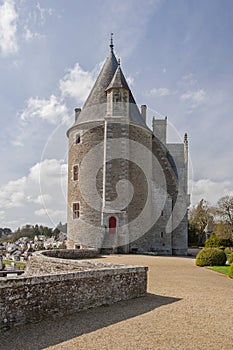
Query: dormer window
{"x": 117, "y": 96}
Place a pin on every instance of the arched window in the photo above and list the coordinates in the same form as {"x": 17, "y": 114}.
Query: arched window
{"x": 112, "y": 224}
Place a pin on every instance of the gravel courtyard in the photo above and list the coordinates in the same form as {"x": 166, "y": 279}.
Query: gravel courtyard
{"x": 187, "y": 307}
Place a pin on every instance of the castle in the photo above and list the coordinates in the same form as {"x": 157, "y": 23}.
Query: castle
{"x": 127, "y": 187}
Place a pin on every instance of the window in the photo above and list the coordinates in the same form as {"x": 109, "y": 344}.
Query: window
{"x": 117, "y": 96}
{"x": 77, "y": 138}
{"x": 161, "y": 234}
{"x": 162, "y": 213}
{"x": 75, "y": 172}
{"x": 76, "y": 210}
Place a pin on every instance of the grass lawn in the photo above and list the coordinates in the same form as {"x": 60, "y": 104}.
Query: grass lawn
{"x": 221, "y": 269}
{"x": 19, "y": 264}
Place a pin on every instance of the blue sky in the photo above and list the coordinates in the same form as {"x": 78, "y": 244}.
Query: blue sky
{"x": 177, "y": 56}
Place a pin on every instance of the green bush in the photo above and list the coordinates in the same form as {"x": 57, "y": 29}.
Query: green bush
{"x": 231, "y": 271}
{"x": 228, "y": 251}
{"x": 225, "y": 242}
{"x": 211, "y": 257}
{"x": 212, "y": 242}
{"x": 230, "y": 260}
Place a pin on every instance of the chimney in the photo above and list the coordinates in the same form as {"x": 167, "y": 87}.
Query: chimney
{"x": 77, "y": 112}
{"x": 143, "y": 112}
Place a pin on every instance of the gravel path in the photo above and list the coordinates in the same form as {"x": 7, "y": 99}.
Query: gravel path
{"x": 187, "y": 308}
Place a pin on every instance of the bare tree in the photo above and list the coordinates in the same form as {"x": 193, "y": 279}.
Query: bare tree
{"x": 225, "y": 209}
{"x": 199, "y": 217}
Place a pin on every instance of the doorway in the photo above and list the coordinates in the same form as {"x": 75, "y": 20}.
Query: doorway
{"x": 112, "y": 224}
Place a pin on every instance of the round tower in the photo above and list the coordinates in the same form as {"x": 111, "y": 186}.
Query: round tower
{"x": 122, "y": 180}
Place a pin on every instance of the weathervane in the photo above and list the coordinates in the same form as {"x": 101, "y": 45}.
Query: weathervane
{"x": 111, "y": 42}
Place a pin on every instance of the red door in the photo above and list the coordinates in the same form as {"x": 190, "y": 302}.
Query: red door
{"x": 112, "y": 224}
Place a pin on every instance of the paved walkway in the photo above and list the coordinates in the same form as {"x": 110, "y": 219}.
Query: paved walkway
{"x": 187, "y": 307}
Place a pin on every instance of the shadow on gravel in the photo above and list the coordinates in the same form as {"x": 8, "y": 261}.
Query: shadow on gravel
{"x": 51, "y": 332}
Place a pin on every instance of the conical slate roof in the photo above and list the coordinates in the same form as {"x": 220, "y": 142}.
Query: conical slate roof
{"x": 98, "y": 94}
{"x": 95, "y": 107}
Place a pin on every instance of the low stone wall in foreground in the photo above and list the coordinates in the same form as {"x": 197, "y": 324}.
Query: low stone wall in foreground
{"x": 31, "y": 298}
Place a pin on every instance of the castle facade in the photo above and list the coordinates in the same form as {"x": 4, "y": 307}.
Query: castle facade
{"x": 127, "y": 187}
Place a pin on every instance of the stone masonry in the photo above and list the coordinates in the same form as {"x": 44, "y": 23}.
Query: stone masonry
{"x": 62, "y": 286}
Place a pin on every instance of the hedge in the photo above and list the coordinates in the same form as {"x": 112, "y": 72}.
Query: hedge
{"x": 230, "y": 259}
{"x": 230, "y": 274}
{"x": 211, "y": 257}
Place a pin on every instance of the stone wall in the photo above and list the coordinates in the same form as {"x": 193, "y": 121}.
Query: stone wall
{"x": 71, "y": 253}
{"x": 31, "y": 298}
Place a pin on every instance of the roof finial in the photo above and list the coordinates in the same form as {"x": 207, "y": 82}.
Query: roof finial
{"x": 111, "y": 42}
{"x": 119, "y": 61}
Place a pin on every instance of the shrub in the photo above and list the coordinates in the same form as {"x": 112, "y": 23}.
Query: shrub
{"x": 228, "y": 251}
{"x": 212, "y": 242}
{"x": 230, "y": 259}
{"x": 225, "y": 242}
{"x": 211, "y": 257}
{"x": 230, "y": 274}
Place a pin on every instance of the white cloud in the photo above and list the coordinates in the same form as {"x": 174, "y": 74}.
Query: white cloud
{"x": 160, "y": 92}
{"x": 209, "y": 190}
{"x": 189, "y": 79}
{"x": 17, "y": 142}
{"x": 51, "y": 213}
{"x": 41, "y": 199}
{"x": 43, "y": 12}
{"x": 50, "y": 173}
{"x": 51, "y": 110}
{"x": 130, "y": 81}
{"x": 49, "y": 167}
{"x": 195, "y": 98}
{"x": 12, "y": 194}
{"x": 41, "y": 193}
{"x": 2, "y": 214}
{"x": 29, "y": 35}
{"x": 8, "y": 27}
{"x": 77, "y": 83}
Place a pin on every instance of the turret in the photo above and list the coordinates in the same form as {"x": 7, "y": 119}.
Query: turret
{"x": 160, "y": 129}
